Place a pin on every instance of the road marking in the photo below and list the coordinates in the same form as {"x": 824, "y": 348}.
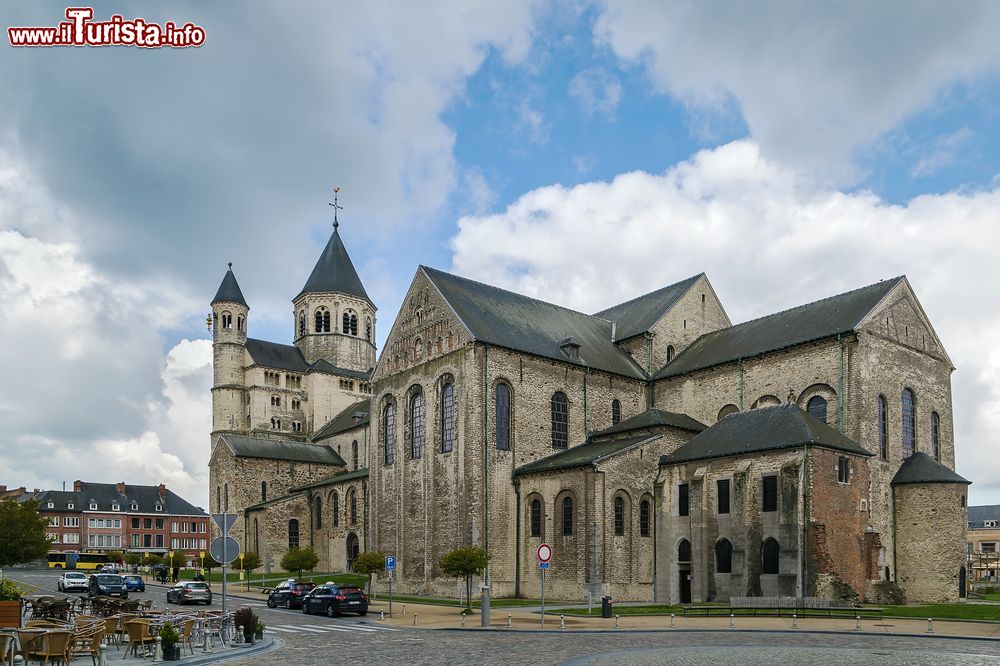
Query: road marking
{"x": 310, "y": 629}
{"x": 291, "y": 631}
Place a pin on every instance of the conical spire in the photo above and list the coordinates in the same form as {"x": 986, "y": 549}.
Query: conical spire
{"x": 335, "y": 272}
{"x": 229, "y": 290}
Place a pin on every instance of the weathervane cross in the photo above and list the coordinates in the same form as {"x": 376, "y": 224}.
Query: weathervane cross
{"x": 336, "y": 207}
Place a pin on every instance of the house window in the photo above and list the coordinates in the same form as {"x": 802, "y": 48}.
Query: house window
{"x": 909, "y": 422}
{"x": 447, "y": 417}
{"x": 158, "y": 507}
{"x": 683, "y": 507}
{"x": 619, "y": 516}
{"x": 723, "y": 556}
{"x": 684, "y": 551}
{"x": 354, "y": 454}
{"x": 135, "y": 523}
{"x": 722, "y": 496}
{"x": 989, "y": 523}
{"x": 335, "y": 508}
{"x": 935, "y": 432}
{"x": 770, "y": 493}
{"x": 159, "y": 523}
{"x": 54, "y": 521}
{"x": 69, "y": 505}
{"x": 560, "y": 420}
{"x": 769, "y": 557}
{"x": 644, "y": 518}
{"x": 988, "y": 547}
{"x": 503, "y": 417}
{"x": 567, "y": 516}
{"x": 116, "y": 507}
{"x": 293, "y": 533}
{"x": 51, "y": 505}
{"x": 417, "y": 429}
{"x": 135, "y": 505}
{"x": 843, "y": 470}
{"x": 883, "y": 428}
{"x": 93, "y": 506}
{"x": 536, "y": 518}
{"x": 389, "y": 432}
{"x": 616, "y": 412}
{"x": 817, "y": 408}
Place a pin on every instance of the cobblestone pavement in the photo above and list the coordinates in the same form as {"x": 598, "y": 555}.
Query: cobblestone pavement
{"x": 414, "y": 647}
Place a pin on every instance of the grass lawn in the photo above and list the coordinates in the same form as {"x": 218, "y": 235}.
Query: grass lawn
{"x": 991, "y": 597}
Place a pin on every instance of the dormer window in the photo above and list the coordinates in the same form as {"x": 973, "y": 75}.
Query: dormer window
{"x": 158, "y": 507}
{"x": 51, "y": 505}
{"x": 135, "y": 506}
{"x": 93, "y": 506}
{"x": 116, "y": 507}
{"x": 571, "y": 348}
{"x": 69, "y": 505}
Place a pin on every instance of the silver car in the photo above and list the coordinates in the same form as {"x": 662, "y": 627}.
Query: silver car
{"x": 190, "y": 592}
{"x": 72, "y": 581}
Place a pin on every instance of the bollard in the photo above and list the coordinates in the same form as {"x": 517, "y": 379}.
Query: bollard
{"x": 239, "y": 633}
{"x": 857, "y": 623}
{"x": 590, "y": 603}
{"x": 158, "y": 650}
{"x": 673, "y": 620}
{"x": 206, "y": 643}
{"x": 18, "y": 660}
{"x": 732, "y": 620}
{"x": 414, "y": 619}
{"x": 404, "y": 609}
{"x": 930, "y": 625}
{"x": 463, "y": 621}
{"x": 102, "y": 658}
{"x": 508, "y": 622}
{"x": 562, "y": 621}
{"x": 617, "y": 618}
{"x": 794, "y": 621}
{"x": 381, "y": 616}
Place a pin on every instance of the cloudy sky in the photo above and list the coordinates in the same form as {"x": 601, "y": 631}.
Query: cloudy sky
{"x": 581, "y": 152}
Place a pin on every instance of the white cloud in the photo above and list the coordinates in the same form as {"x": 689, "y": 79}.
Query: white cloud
{"x": 596, "y": 91}
{"x": 768, "y": 240}
{"x": 814, "y": 81}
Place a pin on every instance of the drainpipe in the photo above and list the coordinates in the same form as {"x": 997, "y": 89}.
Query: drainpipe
{"x": 586, "y": 414}
{"x": 312, "y": 519}
{"x": 805, "y": 521}
{"x": 485, "y": 603}
{"x": 895, "y": 572}
{"x": 656, "y": 501}
{"x": 649, "y": 352}
{"x": 517, "y": 538}
{"x": 740, "y": 361}
{"x": 840, "y": 395}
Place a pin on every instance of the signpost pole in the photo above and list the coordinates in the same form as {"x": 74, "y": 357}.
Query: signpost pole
{"x": 543, "y": 598}
{"x": 390, "y": 594}
{"x": 225, "y": 559}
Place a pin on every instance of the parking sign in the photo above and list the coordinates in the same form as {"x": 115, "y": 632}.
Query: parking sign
{"x": 390, "y": 562}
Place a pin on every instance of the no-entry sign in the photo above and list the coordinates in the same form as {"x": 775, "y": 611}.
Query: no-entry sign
{"x": 544, "y": 553}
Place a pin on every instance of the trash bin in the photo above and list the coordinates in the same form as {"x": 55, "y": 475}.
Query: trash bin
{"x": 606, "y": 606}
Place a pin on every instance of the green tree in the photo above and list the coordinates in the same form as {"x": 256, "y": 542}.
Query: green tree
{"x": 251, "y": 561}
{"x": 299, "y": 560}
{"x": 152, "y": 559}
{"x": 466, "y": 561}
{"x": 211, "y": 562}
{"x": 115, "y": 556}
{"x": 369, "y": 563}
{"x": 133, "y": 559}
{"x": 22, "y": 533}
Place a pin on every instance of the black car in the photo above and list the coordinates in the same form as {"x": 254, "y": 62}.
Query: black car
{"x": 110, "y": 585}
{"x": 289, "y": 594}
{"x": 334, "y": 599}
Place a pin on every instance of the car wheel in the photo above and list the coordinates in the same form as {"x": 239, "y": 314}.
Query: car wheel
{"x": 287, "y": 604}
{"x": 331, "y": 610}
{"x": 270, "y": 603}
{"x": 305, "y": 609}
{"x": 363, "y": 613}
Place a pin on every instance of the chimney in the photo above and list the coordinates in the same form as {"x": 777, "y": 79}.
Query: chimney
{"x": 120, "y": 486}
{"x": 3, "y": 489}
{"x": 78, "y": 486}
{"x": 163, "y": 490}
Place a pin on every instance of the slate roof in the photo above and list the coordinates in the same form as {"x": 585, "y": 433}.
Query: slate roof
{"x": 336, "y": 478}
{"x": 759, "y": 430}
{"x": 583, "y": 455}
{"x": 229, "y": 290}
{"x": 505, "y": 319}
{"x": 978, "y": 515}
{"x": 274, "y": 355}
{"x": 653, "y": 418}
{"x": 270, "y": 449}
{"x": 271, "y": 502}
{"x": 638, "y": 315}
{"x": 334, "y": 271}
{"x": 322, "y": 365}
{"x": 345, "y": 420}
{"x": 61, "y": 499}
{"x": 819, "y": 320}
{"x": 106, "y": 496}
{"x": 921, "y": 468}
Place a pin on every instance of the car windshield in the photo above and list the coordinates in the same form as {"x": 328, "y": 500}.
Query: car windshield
{"x": 132, "y": 578}
{"x": 76, "y": 575}
{"x": 198, "y": 586}
{"x": 109, "y": 579}
{"x": 303, "y": 586}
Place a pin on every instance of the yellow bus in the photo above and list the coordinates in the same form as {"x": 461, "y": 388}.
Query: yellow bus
{"x": 74, "y": 560}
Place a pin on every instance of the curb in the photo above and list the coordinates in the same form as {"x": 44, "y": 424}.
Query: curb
{"x": 269, "y": 643}
{"x": 503, "y": 630}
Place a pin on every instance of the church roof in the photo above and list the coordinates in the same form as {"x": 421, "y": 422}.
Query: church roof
{"x": 822, "y": 319}
{"x": 506, "y": 319}
{"x": 334, "y": 271}
{"x": 584, "y": 455}
{"x": 335, "y": 479}
{"x": 322, "y": 365}
{"x": 289, "y": 357}
{"x": 978, "y": 515}
{"x": 271, "y": 449}
{"x": 760, "y": 430}
{"x": 638, "y": 315}
{"x": 921, "y": 468}
{"x": 354, "y": 416}
{"x": 653, "y": 418}
{"x": 229, "y": 290}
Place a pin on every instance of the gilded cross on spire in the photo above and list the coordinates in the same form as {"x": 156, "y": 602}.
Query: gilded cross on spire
{"x": 336, "y": 207}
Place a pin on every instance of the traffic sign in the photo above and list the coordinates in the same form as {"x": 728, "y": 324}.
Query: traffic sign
{"x": 544, "y": 553}
{"x": 390, "y": 562}
{"x": 543, "y": 565}
{"x": 74, "y": 557}
{"x": 225, "y": 521}
{"x": 225, "y": 549}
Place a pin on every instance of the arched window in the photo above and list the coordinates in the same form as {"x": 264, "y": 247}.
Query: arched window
{"x": 354, "y": 324}
{"x": 347, "y": 322}
{"x": 726, "y": 411}
{"x": 817, "y": 408}
{"x": 417, "y": 429}
{"x": 560, "y": 420}
{"x": 536, "y": 518}
{"x": 263, "y": 491}
{"x": 723, "y": 556}
{"x": 684, "y": 551}
{"x": 302, "y": 323}
{"x": 225, "y": 497}
{"x": 318, "y": 513}
{"x": 670, "y": 353}
{"x": 567, "y": 516}
{"x": 335, "y": 508}
{"x": 447, "y": 417}
{"x": 322, "y": 320}
{"x": 909, "y": 423}
{"x": 239, "y": 322}
{"x": 354, "y": 453}
{"x": 389, "y": 432}
{"x": 256, "y": 536}
{"x": 769, "y": 557}
{"x": 619, "y": 516}
{"x": 935, "y": 433}
{"x": 353, "y": 495}
{"x": 368, "y": 329}
{"x": 616, "y": 412}
{"x": 227, "y": 321}
{"x": 293, "y": 533}
{"x": 883, "y": 428}
{"x": 218, "y": 498}
{"x": 502, "y": 394}
{"x": 644, "y": 518}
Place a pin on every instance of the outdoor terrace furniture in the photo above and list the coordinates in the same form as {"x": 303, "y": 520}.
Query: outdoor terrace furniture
{"x": 8, "y": 641}
{"x": 87, "y": 640}
{"x": 52, "y": 645}
{"x": 139, "y": 635}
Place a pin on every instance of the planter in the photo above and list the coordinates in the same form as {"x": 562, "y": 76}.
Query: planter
{"x": 10, "y": 614}
{"x": 259, "y": 635}
{"x": 172, "y": 653}
{"x": 248, "y": 637}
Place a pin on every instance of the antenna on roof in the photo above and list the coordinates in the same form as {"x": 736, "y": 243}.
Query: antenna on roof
{"x": 336, "y": 207}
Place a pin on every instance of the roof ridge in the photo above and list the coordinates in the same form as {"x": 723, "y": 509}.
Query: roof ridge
{"x": 691, "y": 279}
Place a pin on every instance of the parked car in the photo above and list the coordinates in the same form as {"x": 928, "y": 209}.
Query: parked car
{"x": 103, "y": 584}
{"x": 289, "y": 594}
{"x": 134, "y": 582}
{"x": 190, "y": 592}
{"x": 72, "y": 580}
{"x": 112, "y": 567}
{"x": 334, "y": 599}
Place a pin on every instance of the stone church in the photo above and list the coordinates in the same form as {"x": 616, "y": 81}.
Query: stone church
{"x": 664, "y": 453}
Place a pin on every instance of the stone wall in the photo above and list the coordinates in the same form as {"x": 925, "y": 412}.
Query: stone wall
{"x": 931, "y": 526}
{"x": 267, "y": 530}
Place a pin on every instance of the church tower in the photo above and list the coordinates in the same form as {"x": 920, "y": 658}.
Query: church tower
{"x": 229, "y": 338}
{"x": 334, "y": 318}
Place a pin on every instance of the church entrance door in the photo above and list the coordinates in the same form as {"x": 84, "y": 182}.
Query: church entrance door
{"x": 352, "y": 550}
{"x": 684, "y": 585}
